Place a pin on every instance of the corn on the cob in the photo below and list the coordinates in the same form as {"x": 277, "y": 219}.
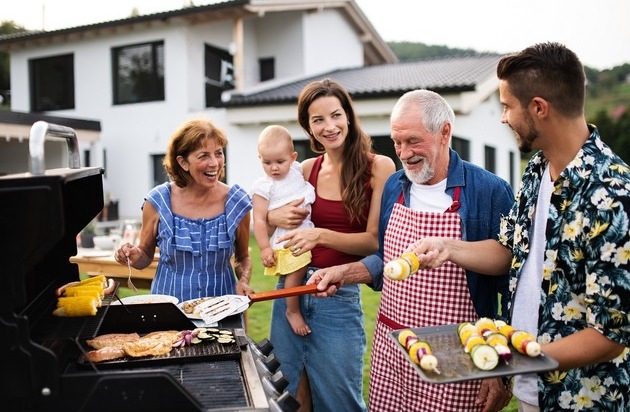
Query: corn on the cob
{"x": 76, "y": 306}
{"x": 81, "y": 298}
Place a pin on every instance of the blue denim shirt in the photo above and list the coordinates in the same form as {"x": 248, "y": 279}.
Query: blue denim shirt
{"x": 484, "y": 199}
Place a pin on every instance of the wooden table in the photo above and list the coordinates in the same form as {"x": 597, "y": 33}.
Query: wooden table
{"x": 92, "y": 262}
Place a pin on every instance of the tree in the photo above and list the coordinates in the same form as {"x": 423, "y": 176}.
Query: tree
{"x": 615, "y": 133}
{"x": 7, "y": 27}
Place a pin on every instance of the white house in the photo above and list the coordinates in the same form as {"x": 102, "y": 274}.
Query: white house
{"x": 240, "y": 63}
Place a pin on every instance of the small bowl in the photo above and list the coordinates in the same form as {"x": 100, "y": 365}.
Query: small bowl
{"x": 106, "y": 242}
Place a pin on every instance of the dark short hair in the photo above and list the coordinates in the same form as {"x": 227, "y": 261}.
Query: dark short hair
{"x": 548, "y": 70}
{"x": 186, "y": 139}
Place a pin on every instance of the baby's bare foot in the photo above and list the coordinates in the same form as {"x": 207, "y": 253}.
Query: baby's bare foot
{"x": 297, "y": 323}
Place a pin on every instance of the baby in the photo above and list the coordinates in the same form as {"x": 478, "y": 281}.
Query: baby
{"x": 283, "y": 182}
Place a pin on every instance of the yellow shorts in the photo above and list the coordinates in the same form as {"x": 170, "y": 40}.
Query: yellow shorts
{"x": 286, "y": 263}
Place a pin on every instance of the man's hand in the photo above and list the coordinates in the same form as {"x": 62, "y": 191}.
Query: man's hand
{"x": 431, "y": 252}
{"x": 328, "y": 280}
{"x": 494, "y": 395}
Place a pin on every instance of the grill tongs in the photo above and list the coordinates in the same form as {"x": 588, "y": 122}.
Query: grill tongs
{"x": 216, "y": 309}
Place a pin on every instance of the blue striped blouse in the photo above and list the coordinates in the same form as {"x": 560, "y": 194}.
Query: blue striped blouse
{"x": 195, "y": 253}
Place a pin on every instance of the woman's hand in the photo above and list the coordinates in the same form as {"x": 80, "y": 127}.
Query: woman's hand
{"x": 288, "y": 216}
{"x": 243, "y": 288}
{"x": 301, "y": 241}
{"x": 127, "y": 251}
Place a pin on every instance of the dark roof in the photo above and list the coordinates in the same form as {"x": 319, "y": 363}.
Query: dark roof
{"x": 376, "y": 50}
{"x": 185, "y": 11}
{"x": 28, "y": 119}
{"x": 442, "y": 75}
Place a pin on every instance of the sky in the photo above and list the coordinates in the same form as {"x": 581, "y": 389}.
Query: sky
{"x": 596, "y": 30}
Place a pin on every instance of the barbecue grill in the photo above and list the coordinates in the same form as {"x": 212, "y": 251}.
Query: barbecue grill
{"x": 42, "y": 360}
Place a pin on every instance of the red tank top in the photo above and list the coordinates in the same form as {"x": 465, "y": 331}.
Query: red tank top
{"x": 330, "y": 214}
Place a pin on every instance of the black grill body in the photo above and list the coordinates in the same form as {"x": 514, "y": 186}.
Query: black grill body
{"x": 42, "y": 364}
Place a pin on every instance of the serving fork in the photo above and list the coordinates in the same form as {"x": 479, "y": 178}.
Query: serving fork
{"x": 130, "y": 284}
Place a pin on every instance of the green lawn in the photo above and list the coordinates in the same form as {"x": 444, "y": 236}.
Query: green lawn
{"x": 259, "y": 314}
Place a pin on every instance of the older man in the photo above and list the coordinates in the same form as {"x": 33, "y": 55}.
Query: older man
{"x": 437, "y": 194}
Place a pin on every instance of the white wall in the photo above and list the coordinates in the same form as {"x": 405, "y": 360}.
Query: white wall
{"x": 279, "y": 35}
{"x": 483, "y": 127}
{"x": 323, "y": 46}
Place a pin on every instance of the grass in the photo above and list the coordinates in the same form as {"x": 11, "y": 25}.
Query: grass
{"x": 259, "y": 314}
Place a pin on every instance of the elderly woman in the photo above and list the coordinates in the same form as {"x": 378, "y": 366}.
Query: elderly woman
{"x": 197, "y": 221}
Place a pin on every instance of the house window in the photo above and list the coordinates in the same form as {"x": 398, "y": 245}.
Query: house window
{"x": 159, "y": 173}
{"x": 383, "y": 145}
{"x": 490, "y": 156}
{"x": 138, "y": 73}
{"x": 512, "y": 166}
{"x": 462, "y": 147}
{"x": 86, "y": 158}
{"x": 267, "y": 68}
{"x": 303, "y": 149}
{"x": 219, "y": 73}
{"x": 52, "y": 83}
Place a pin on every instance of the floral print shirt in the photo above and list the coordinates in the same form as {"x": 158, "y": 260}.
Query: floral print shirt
{"x": 586, "y": 280}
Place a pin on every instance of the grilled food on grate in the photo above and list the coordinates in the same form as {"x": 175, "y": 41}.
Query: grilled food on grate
{"x": 112, "y": 339}
{"x": 82, "y": 298}
{"x": 148, "y": 347}
{"x": 105, "y": 354}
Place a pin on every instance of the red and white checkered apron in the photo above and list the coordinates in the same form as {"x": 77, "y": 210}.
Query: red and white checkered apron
{"x": 427, "y": 298}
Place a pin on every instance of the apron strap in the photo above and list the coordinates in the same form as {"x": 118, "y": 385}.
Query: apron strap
{"x": 387, "y": 321}
{"x": 454, "y": 207}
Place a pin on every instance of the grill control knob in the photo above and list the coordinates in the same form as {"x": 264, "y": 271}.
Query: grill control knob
{"x": 267, "y": 365}
{"x": 276, "y": 384}
{"x": 271, "y": 363}
{"x": 285, "y": 403}
{"x": 264, "y": 347}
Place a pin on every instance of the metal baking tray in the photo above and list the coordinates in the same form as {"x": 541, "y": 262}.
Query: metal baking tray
{"x": 455, "y": 365}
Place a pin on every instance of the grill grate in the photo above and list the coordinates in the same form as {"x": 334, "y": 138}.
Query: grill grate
{"x": 46, "y": 326}
{"x": 214, "y": 384}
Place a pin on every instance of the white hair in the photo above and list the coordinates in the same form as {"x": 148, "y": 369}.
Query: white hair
{"x": 433, "y": 110}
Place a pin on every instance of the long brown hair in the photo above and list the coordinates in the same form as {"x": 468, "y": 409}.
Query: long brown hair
{"x": 356, "y": 170}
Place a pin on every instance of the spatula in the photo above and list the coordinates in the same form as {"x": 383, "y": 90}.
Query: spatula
{"x": 216, "y": 309}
